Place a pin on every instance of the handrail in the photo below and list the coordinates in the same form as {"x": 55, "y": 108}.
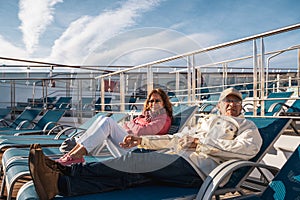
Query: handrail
{"x": 227, "y": 44}
{"x": 273, "y": 53}
{"x": 276, "y": 54}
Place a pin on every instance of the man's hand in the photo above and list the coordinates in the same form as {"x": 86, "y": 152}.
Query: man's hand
{"x": 130, "y": 141}
{"x": 188, "y": 142}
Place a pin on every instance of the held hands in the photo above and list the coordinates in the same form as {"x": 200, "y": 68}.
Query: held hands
{"x": 188, "y": 142}
{"x": 130, "y": 141}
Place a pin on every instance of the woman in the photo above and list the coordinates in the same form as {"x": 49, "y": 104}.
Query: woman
{"x": 156, "y": 119}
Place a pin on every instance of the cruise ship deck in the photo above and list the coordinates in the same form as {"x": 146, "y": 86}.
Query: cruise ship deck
{"x": 270, "y": 90}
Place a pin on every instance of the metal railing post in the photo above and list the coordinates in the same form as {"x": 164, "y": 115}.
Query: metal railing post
{"x": 262, "y": 75}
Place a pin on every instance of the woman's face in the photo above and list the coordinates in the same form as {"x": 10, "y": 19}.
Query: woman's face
{"x": 155, "y": 102}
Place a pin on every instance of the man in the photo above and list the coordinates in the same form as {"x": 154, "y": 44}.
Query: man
{"x": 183, "y": 159}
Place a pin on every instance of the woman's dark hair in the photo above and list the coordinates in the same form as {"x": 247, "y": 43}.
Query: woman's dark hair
{"x": 164, "y": 97}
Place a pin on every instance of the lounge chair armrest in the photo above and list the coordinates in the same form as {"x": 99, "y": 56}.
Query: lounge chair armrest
{"x": 248, "y": 104}
{"x": 64, "y": 131}
{"x": 58, "y": 135}
{"x": 221, "y": 174}
{"x": 78, "y": 133}
{"x": 29, "y": 132}
{"x": 251, "y": 105}
{"x": 46, "y": 127}
{"x": 22, "y": 124}
{"x": 203, "y": 106}
{"x": 87, "y": 106}
{"x": 274, "y": 105}
{"x": 65, "y": 105}
{"x": 58, "y": 128}
{"x": 207, "y": 108}
{"x": 290, "y": 110}
{"x": 34, "y": 123}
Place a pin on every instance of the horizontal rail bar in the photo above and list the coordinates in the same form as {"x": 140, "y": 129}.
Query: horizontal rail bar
{"x": 227, "y": 44}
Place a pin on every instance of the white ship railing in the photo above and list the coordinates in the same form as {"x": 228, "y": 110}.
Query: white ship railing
{"x": 259, "y": 74}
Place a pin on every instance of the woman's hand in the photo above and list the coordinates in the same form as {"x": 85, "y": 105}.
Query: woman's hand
{"x": 130, "y": 141}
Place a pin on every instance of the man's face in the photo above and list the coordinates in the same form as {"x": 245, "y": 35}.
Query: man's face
{"x": 230, "y": 106}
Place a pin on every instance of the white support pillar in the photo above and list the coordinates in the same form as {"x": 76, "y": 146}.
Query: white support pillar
{"x": 262, "y": 77}
{"x": 122, "y": 92}
{"x": 189, "y": 76}
{"x": 193, "y": 97}
{"x": 255, "y": 103}
{"x": 298, "y": 73}
{"x": 102, "y": 94}
{"x": 149, "y": 79}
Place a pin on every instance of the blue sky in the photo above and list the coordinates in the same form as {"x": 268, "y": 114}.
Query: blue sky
{"x": 70, "y": 31}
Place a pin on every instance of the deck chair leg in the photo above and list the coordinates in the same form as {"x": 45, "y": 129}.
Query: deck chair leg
{"x": 112, "y": 149}
{"x": 3, "y": 185}
{"x": 14, "y": 180}
{"x": 293, "y": 125}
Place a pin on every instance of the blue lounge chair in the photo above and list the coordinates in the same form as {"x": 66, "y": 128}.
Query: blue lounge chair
{"x": 15, "y": 164}
{"x": 273, "y": 103}
{"x": 13, "y": 157}
{"x": 174, "y": 100}
{"x": 208, "y": 107}
{"x": 284, "y": 186}
{"x": 270, "y": 129}
{"x": 8, "y": 155}
{"x": 27, "y": 192}
{"x": 85, "y": 106}
{"x": 181, "y": 116}
{"x": 4, "y": 112}
{"x": 107, "y": 101}
{"x": 44, "y": 124}
{"x": 63, "y": 103}
{"x": 22, "y": 121}
{"x": 40, "y": 102}
{"x": 292, "y": 111}
{"x": 15, "y": 153}
{"x": 130, "y": 101}
{"x": 14, "y": 160}
{"x": 49, "y": 140}
{"x": 87, "y": 103}
{"x": 13, "y": 170}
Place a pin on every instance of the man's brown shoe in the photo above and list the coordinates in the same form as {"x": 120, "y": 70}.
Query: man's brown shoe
{"x": 44, "y": 178}
{"x": 56, "y": 166}
{"x": 35, "y": 146}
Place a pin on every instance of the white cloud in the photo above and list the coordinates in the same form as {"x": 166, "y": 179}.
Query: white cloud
{"x": 145, "y": 45}
{"x": 10, "y": 51}
{"x": 87, "y": 33}
{"x": 204, "y": 39}
{"x": 35, "y": 16}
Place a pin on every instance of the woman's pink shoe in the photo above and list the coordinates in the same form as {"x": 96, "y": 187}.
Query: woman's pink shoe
{"x": 64, "y": 157}
{"x": 68, "y": 160}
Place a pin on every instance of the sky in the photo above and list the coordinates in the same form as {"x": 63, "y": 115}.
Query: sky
{"x": 132, "y": 32}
